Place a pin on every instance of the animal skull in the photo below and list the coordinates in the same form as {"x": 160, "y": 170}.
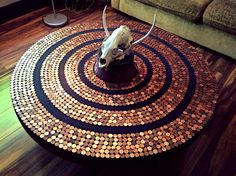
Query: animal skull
{"x": 118, "y": 44}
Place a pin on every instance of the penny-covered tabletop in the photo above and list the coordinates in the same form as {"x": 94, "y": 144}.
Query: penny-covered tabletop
{"x": 59, "y": 99}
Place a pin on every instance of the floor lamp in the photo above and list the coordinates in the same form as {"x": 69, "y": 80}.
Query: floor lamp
{"x": 55, "y": 19}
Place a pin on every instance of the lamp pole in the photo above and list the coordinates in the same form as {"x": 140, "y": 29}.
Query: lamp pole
{"x": 55, "y": 19}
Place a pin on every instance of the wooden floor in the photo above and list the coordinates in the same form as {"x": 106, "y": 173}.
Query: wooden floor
{"x": 212, "y": 152}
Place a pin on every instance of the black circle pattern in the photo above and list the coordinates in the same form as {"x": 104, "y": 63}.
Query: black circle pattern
{"x": 187, "y": 109}
{"x": 122, "y": 129}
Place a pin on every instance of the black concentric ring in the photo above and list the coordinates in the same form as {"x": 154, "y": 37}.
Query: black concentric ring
{"x": 137, "y": 105}
{"x": 118, "y": 129}
{"x": 113, "y": 92}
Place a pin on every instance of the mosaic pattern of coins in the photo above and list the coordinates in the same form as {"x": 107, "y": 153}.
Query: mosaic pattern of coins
{"x": 57, "y": 96}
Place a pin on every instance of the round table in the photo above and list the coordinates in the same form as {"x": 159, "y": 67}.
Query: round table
{"x": 62, "y": 103}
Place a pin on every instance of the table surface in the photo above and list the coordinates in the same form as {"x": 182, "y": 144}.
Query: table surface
{"x": 57, "y": 96}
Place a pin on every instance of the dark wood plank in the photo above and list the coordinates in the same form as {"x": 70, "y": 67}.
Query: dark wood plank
{"x": 211, "y": 152}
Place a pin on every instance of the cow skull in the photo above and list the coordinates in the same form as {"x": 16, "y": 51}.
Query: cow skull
{"x": 118, "y": 44}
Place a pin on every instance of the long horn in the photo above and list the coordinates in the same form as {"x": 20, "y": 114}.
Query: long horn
{"x": 104, "y": 22}
{"x": 149, "y": 32}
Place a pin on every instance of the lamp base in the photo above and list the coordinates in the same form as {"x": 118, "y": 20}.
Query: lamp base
{"x": 55, "y": 20}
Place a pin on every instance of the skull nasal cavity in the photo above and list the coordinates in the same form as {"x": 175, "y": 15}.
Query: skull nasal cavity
{"x": 103, "y": 61}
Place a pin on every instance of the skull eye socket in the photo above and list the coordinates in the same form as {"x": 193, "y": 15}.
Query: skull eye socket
{"x": 121, "y": 46}
{"x": 117, "y": 51}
